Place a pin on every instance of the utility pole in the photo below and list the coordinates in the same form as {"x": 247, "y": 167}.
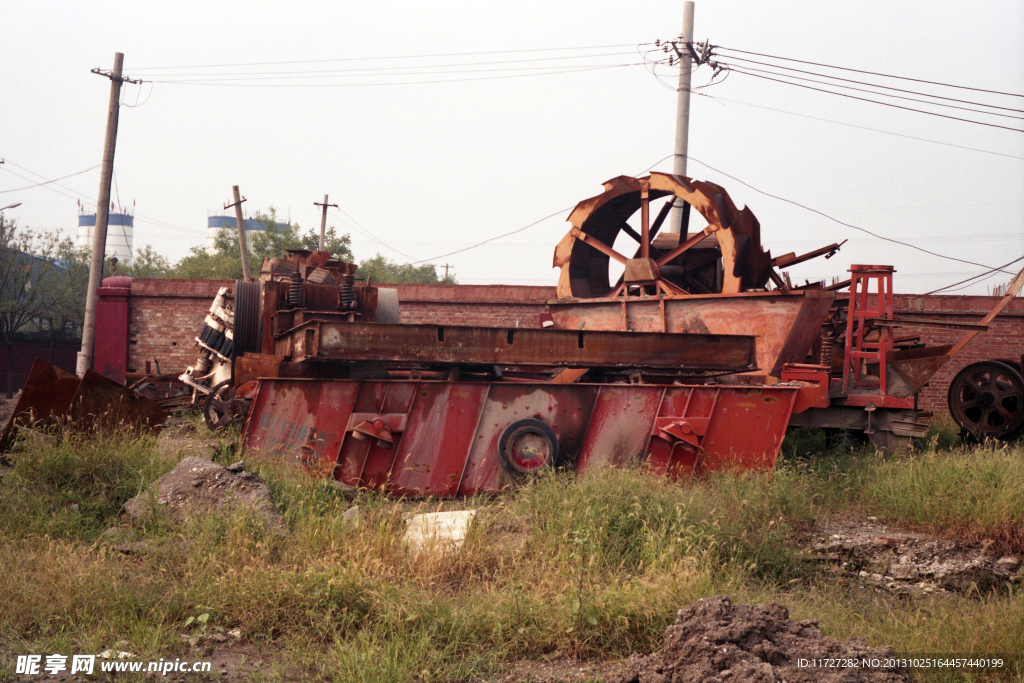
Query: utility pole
{"x": 243, "y": 242}
{"x": 99, "y": 233}
{"x": 446, "y": 267}
{"x": 323, "y": 221}
{"x": 676, "y": 217}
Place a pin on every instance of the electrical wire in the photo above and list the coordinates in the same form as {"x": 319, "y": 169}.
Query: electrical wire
{"x": 45, "y": 182}
{"x": 987, "y": 273}
{"x": 851, "y": 125}
{"x": 870, "y": 73}
{"x": 355, "y": 225}
{"x": 403, "y": 67}
{"x": 887, "y": 104}
{"x": 424, "y": 82}
{"x": 880, "y": 94}
{"x": 874, "y": 85}
{"x": 836, "y": 220}
{"x": 361, "y": 59}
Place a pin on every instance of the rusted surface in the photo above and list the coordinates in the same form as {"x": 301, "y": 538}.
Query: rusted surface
{"x": 584, "y": 268}
{"x": 785, "y": 324}
{"x": 52, "y": 396}
{"x": 442, "y": 438}
{"x": 430, "y": 344}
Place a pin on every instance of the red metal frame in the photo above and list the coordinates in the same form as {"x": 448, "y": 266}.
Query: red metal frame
{"x": 435, "y": 438}
{"x": 860, "y": 316}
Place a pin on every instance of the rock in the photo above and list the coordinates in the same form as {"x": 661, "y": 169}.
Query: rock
{"x": 349, "y": 492}
{"x": 197, "y": 486}
{"x": 236, "y": 468}
{"x": 352, "y": 517}
{"x": 438, "y": 531}
{"x": 714, "y": 640}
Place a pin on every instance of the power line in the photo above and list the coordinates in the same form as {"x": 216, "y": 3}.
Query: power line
{"x": 887, "y": 104}
{"x": 45, "y": 182}
{"x": 870, "y": 73}
{"x": 355, "y": 225}
{"x": 874, "y": 85}
{"x": 990, "y": 272}
{"x": 836, "y": 220}
{"x": 402, "y": 67}
{"x": 881, "y": 94}
{"x": 426, "y": 82}
{"x": 361, "y": 59}
{"x": 851, "y": 125}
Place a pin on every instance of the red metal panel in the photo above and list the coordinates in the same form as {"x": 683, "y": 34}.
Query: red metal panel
{"x": 746, "y": 428}
{"x": 564, "y": 408}
{"x": 620, "y": 425}
{"x": 673, "y": 458}
{"x": 352, "y": 457}
{"x": 110, "y": 355}
{"x": 377, "y": 466}
{"x": 301, "y": 418}
{"x": 431, "y": 455}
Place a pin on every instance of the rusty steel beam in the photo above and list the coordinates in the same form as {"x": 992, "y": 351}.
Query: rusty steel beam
{"x": 445, "y": 344}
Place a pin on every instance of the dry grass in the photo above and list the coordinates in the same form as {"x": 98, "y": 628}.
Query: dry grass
{"x": 594, "y": 567}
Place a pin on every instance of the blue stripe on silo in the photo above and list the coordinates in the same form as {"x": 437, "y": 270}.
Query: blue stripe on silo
{"x": 229, "y": 222}
{"x": 89, "y": 219}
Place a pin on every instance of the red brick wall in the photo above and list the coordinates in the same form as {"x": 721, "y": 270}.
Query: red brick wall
{"x": 165, "y": 317}
{"x": 1003, "y": 339}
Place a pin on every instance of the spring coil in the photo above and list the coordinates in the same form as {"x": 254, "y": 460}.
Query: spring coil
{"x": 295, "y": 291}
{"x": 348, "y": 297}
{"x": 826, "y": 352}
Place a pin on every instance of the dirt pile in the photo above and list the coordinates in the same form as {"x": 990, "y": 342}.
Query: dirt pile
{"x": 905, "y": 562}
{"x": 714, "y": 640}
{"x": 196, "y": 486}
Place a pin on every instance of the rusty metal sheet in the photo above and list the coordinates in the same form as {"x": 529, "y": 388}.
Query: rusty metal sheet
{"x": 500, "y": 346}
{"x": 620, "y": 425}
{"x": 746, "y": 428}
{"x": 566, "y": 409}
{"x": 433, "y": 451}
{"x": 785, "y": 324}
{"x": 52, "y": 396}
{"x": 398, "y": 397}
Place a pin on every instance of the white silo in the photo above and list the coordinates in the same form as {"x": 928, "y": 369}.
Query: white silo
{"x": 120, "y": 234}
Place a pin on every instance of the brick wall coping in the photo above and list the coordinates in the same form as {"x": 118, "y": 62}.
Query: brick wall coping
{"x": 167, "y": 287}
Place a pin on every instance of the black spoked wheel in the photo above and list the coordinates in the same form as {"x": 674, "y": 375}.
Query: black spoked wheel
{"x": 222, "y": 408}
{"x": 987, "y": 399}
{"x": 527, "y": 447}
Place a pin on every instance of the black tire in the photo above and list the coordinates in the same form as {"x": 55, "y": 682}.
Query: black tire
{"x": 527, "y": 447}
{"x": 987, "y": 400}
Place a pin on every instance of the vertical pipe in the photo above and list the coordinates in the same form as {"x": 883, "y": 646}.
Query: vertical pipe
{"x": 243, "y": 242}
{"x": 682, "y": 113}
{"x": 99, "y": 233}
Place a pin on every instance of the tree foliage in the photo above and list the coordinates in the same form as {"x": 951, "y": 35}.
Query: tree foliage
{"x": 382, "y": 269}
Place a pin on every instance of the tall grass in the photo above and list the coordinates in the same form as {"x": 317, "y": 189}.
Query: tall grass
{"x": 595, "y": 567}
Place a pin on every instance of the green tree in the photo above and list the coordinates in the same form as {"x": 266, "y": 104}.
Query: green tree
{"x": 146, "y": 264}
{"x": 271, "y": 242}
{"x": 382, "y": 269}
{"x": 29, "y": 286}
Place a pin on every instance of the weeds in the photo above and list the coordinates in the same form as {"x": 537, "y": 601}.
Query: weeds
{"x": 594, "y": 566}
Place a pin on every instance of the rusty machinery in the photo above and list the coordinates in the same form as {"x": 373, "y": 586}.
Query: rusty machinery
{"x": 721, "y": 280}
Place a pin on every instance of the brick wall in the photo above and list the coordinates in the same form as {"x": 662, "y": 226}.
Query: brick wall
{"x": 165, "y": 316}
{"x": 1003, "y": 339}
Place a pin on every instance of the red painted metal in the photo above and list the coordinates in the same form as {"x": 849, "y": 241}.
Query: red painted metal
{"x": 431, "y": 438}
{"x": 110, "y": 356}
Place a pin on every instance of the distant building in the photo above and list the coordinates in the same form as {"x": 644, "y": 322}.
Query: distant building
{"x": 120, "y": 234}
{"x": 215, "y": 223}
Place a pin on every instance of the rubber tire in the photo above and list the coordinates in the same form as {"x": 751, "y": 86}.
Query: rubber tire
{"x": 519, "y": 428}
{"x": 1010, "y": 372}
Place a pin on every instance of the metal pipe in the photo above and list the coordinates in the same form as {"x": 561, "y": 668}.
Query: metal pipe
{"x": 682, "y": 112}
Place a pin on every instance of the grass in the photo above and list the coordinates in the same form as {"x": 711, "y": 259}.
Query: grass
{"x": 595, "y": 567}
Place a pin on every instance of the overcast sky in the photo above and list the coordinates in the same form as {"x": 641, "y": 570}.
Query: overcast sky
{"x": 430, "y": 154}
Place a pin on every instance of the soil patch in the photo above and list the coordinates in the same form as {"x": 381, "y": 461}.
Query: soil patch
{"x": 196, "y": 486}
{"x": 714, "y": 640}
{"x": 904, "y": 562}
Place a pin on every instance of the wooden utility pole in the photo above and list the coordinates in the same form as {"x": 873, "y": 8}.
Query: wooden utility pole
{"x": 99, "y": 233}
{"x": 446, "y": 267}
{"x": 323, "y": 221}
{"x": 243, "y": 242}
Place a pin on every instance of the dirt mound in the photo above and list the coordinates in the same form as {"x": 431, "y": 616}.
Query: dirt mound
{"x": 905, "y": 562}
{"x": 714, "y": 640}
{"x": 196, "y": 486}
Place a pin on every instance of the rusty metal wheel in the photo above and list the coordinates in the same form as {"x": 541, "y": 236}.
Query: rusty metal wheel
{"x": 222, "y": 408}
{"x": 528, "y": 446}
{"x": 987, "y": 399}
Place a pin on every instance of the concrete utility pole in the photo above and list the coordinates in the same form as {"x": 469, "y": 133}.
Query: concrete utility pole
{"x": 99, "y": 233}
{"x": 675, "y": 223}
{"x": 243, "y": 242}
{"x": 323, "y": 221}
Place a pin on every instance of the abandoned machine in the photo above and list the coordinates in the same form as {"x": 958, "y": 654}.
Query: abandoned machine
{"x": 688, "y": 353}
